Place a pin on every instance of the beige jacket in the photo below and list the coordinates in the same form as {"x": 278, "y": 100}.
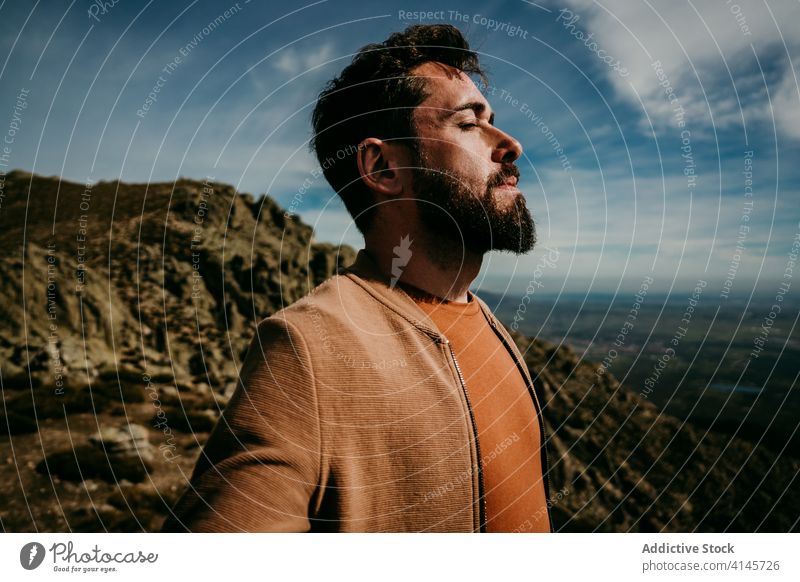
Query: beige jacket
{"x": 351, "y": 415}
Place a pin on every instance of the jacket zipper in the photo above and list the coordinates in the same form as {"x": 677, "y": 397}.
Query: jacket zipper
{"x": 545, "y": 467}
{"x": 481, "y": 495}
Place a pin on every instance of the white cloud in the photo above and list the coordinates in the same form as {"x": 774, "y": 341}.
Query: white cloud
{"x": 293, "y": 61}
{"x": 786, "y": 106}
{"x": 700, "y": 47}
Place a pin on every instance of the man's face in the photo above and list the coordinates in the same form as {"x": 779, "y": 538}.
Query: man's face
{"x": 466, "y": 182}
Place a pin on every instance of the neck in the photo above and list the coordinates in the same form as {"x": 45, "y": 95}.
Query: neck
{"x": 434, "y": 266}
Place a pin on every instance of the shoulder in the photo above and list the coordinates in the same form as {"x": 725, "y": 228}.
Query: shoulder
{"x": 336, "y": 299}
{"x": 305, "y": 330}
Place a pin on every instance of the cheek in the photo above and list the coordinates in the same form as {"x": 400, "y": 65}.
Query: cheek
{"x": 466, "y": 158}
{"x": 461, "y": 154}
{"x": 475, "y": 169}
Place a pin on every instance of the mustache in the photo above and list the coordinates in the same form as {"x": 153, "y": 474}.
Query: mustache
{"x": 501, "y": 175}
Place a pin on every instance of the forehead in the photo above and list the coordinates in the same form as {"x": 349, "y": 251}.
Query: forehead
{"x": 447, "y": 87}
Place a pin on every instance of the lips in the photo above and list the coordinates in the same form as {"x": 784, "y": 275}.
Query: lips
{"x": 509, "y": 183}
{"x": 505, "y": 179}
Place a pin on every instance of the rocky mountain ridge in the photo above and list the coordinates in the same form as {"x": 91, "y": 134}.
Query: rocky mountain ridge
{"x": 126, "y": 312}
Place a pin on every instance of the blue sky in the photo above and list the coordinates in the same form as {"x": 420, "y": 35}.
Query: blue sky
{"x": 592, "y": 79}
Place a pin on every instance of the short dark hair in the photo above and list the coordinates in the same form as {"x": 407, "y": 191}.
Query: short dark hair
{"x": 375, "y": 96}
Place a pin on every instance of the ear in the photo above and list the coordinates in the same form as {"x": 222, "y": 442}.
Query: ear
{"x": 379, "y": 164}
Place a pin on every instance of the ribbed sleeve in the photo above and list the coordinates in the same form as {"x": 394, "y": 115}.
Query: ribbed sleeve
{"x": 260, "y": 466}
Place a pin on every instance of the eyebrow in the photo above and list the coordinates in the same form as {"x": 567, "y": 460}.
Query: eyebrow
{"x": 477, "y": 107}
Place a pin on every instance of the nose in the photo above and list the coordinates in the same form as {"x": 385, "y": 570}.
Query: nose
{"x": 507, "y": 149}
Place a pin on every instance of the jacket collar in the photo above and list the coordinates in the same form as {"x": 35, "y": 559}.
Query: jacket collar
{"x": 364, "y": 271}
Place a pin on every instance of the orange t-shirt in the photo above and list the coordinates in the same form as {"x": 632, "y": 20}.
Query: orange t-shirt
{"x": 505, "y": 415}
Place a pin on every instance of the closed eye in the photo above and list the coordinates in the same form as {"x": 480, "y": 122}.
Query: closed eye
{"x": 476, "y": 107}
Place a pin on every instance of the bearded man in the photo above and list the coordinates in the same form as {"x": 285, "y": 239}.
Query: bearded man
{"x": 390, "y": 398}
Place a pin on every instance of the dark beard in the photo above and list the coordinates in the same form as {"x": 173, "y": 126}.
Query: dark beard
{"x": 453, "y": 211}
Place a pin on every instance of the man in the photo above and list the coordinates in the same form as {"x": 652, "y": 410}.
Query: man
{"x": 390, "y": 398}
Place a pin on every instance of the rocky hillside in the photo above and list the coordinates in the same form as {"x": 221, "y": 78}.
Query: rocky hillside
{"x": 621, "y": 465}
{"x": 125, "y": 312}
